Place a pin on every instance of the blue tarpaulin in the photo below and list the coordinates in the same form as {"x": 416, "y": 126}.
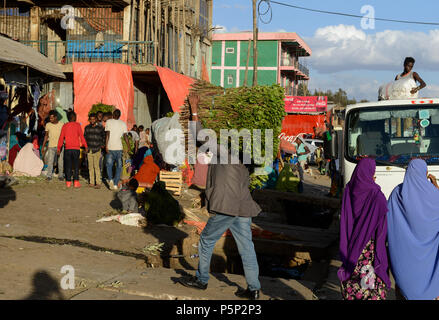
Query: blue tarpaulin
{"x": 93, "y": 49}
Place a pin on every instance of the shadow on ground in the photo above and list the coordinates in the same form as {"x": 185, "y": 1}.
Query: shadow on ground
{"x": 45, "y": 287}
{"x": 7, "y": 194}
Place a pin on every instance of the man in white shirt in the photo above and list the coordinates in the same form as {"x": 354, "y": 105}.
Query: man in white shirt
{"x": 115, "y": 129}
{"x": 136, "y": 140}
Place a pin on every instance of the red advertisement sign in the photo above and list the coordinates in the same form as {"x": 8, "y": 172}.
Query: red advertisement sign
{"x": 295, "y": 104}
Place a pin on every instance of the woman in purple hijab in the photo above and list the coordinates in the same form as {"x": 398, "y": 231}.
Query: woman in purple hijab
{"x": 363, "y": 230}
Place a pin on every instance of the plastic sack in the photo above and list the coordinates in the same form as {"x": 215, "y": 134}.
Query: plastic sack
{"x": 287, "y": 180}
{"x": 131, "y": 219}
{"x": 398, "y": 89}
{"x": 170, "y": 144}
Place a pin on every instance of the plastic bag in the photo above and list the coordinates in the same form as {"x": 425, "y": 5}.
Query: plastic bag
{"x": 131, "y": 219}
{"x": 171, "y": 146}
{"x": 398, "y": 90}
{"x": 287, "y": 180}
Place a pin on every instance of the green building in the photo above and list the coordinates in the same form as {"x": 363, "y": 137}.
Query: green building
{"x": 278, "y": 60}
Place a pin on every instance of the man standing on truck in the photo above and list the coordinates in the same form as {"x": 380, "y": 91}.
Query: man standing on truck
{"x": 409, "y": 62}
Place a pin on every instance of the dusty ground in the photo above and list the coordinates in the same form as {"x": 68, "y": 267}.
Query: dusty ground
{"x": 44, "y": 226}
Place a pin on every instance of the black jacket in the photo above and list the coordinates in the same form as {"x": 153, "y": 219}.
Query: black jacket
{"x": 227, "y": 188}
{"x": 95, "y": 137}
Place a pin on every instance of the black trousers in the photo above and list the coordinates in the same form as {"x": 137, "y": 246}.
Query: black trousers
{"x": 71, "y": 163}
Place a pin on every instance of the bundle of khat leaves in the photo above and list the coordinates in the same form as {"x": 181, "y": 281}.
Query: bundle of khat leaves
{"x": 260, "y": 107}
{"x": 160, "y": 206}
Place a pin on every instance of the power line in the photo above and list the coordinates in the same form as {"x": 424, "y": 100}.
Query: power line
{"x": 349, "y": 15}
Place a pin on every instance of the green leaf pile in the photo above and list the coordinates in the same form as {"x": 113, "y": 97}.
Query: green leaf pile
{"x": 259, "y": 107}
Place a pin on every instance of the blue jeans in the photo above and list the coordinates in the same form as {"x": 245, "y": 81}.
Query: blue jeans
{"x": 50, "y": 160}
{"x": 241, "y": 231}
{"x": 112, "y": 156}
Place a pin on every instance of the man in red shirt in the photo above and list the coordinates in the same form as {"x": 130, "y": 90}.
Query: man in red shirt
{"x": 72, "y": 133}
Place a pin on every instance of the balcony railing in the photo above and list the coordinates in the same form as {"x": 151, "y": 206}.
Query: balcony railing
{"x": 125, "y": 52}
{"x": 303, "y": 69}
{"x": 290, "y": 91}
{"x": 289, "y": 62}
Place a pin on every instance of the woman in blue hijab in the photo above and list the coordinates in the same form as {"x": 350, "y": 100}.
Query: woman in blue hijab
{"x": 413, "y": 233}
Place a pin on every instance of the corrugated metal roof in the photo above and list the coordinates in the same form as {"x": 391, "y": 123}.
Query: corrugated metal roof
{"x": 15, "y": 52}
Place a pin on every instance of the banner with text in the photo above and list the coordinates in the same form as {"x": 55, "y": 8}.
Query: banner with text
{"x": 294, "y": 104}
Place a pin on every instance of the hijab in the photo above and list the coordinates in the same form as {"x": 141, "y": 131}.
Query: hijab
{"x": 413, "y": 231}
{"x": 363, "y": 217}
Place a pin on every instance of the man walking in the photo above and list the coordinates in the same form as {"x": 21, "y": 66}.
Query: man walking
{"x": 115, "y": 129}
{"x": 95, "y": 136}
{"x": 232, "y": 207}
{"x": 53, "y": 131}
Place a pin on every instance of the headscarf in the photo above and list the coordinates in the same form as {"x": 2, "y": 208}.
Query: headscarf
{"x": 413, "y": 233}
{"x": 363, "y": 217}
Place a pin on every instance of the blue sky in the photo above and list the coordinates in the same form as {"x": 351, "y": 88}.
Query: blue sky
{"x": 344, "y": 54}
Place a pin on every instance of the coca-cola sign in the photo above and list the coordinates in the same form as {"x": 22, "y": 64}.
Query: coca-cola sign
{"x": 294, "y": 104}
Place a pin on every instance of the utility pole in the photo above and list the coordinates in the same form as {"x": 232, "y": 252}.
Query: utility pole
{"x": 255, "y": 44}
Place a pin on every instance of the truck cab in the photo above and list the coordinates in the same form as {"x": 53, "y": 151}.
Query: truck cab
{"x": 392, "y": 132}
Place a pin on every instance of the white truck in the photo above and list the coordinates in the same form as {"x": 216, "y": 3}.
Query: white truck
{"x": 393, "y": 132}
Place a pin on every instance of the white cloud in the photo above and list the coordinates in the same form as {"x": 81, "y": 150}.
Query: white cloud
{"x": 431, "y": 91}
{"x": 355, "y": 85}
{"x": 343, "y": 47}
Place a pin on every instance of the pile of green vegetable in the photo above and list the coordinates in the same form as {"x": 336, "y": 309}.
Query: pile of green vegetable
{"x": 102, "y": 107}
{"x": 260, "y": 107}
{"x": 160, "y": 206}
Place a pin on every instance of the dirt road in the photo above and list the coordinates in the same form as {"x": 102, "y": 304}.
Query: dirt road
{"x": 44, "y": 226}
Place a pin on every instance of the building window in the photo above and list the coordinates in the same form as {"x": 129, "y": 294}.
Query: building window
{"x": 230, "y": 50}
{"x": 229, "y": 79}
{"x": 204, "y": 17}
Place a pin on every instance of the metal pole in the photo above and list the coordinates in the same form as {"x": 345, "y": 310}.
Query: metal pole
{"x": 158, "y": 102}
{"x": 255, "y": 43}
{"x": 8, "y": 137}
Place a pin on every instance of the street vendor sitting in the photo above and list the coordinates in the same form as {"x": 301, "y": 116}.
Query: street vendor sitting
{"x": 147, "y": 173}
{"x": 128, "y": 196}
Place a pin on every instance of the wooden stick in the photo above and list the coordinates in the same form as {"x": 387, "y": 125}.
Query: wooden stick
{"x": 185, "y": 71}
{"x": 147, "y": 24}
{"x": 160, "y": 57}
{"x": 173, "y": 37}
{"x": 155, "y": 32}
{"x": 178, "y": 39}
{"x": 246, "y": 65}
{"x": 166, "y": 64}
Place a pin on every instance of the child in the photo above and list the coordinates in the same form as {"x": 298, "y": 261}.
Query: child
{"x": 128, "y": 196}
{"x": 95, "y": 136}
{"x": 71, "y": 132}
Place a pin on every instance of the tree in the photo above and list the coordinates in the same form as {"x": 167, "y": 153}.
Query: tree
{"x": 302, "y": 90}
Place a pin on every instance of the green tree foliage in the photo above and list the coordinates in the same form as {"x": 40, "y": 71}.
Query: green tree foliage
{"x": 339, "y": 97}
{"x": 302, "y": 90}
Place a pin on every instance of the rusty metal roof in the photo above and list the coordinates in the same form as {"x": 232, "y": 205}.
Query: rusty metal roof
{"x": 16, "y": 53}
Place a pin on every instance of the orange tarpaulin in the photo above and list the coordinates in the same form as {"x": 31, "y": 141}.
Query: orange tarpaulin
{"x": 104, "y": 82}
{"x": 176, "y": 86}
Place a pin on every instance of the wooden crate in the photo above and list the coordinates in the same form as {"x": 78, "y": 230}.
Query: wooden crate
{"x": 173, "y": 181}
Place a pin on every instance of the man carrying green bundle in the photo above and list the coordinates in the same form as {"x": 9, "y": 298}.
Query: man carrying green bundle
{"x": 232, "y": 207}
